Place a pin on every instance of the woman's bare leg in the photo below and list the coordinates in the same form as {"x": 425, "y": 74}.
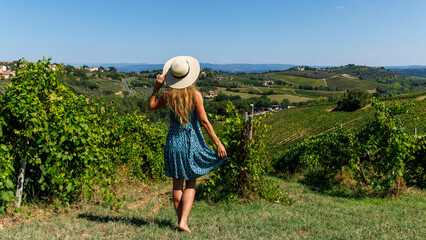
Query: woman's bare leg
{"x": 186, "y": 202}
{"x": 177, "y": 196}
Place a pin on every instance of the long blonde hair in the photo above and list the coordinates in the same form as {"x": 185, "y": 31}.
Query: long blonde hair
{"x": 181, "y": 101}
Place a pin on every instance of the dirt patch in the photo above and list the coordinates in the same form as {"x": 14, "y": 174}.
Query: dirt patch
{"x": 421, "y": 97}
{"x": 366, "y": 106}
{"x": 348, "y": 76}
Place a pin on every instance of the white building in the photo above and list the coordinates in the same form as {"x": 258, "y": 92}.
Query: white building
{"x": 3, "y": 68}
{"x": 7, "y": 74}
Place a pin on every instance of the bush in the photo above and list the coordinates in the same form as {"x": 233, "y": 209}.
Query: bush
{"x": 415, "y": 165}
{"x": 244, "y": 174}
{"x": 380, "y": 155}
{"x": 72, "y": 148}
{"x": 353, "y": 99}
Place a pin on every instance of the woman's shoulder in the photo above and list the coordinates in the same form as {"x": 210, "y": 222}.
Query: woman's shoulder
{"x": 198, "y": 94}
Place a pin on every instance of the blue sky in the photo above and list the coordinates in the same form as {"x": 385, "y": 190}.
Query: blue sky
{"x": 303, "y": 32}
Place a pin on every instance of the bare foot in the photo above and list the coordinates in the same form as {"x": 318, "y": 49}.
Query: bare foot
{"x": 184, "y": 228}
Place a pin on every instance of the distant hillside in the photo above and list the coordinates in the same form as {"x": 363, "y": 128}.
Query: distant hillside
{"x": 406, "y": 67}
{"x": 415, "y": 72}
{"x": 231, "y": 68}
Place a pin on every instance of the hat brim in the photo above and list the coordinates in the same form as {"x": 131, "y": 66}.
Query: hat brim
{"x": 188, "y": 80}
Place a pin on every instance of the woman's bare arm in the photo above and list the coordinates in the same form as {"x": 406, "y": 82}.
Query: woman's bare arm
{"x": 199, "y": 108}
{"x": 155, "y": 103}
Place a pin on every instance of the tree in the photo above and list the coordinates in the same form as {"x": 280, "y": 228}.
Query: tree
{"x": 353, "y": 99}
{"x": 285, "y": 102}
{"x": 112, "y": 69}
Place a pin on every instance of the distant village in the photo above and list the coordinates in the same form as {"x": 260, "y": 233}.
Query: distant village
{"x": 5, "y": 70}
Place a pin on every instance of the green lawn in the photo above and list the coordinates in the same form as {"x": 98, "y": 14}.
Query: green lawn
{"x": 150, "y": 215}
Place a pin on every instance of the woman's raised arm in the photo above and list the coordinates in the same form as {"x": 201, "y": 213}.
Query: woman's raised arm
{"x": 155, "y": 103}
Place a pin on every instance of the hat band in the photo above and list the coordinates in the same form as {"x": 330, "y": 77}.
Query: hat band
{"x": 189, "y": 69}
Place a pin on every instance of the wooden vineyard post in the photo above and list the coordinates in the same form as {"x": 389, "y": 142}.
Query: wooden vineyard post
{"x": 251, "y": 123}
{"x": 20, "y": 185}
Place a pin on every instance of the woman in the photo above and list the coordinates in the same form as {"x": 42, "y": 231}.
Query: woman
{"x": 186, "y": 155}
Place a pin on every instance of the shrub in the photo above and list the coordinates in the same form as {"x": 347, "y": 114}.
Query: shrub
{"x": 380, "y": 155}
{"x": 353, "y": 99}
{"x": 243, "y": 175}
{"x": 72, "y": 147}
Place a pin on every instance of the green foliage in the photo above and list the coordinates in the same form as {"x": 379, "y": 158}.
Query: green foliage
{"x": 244, "y": 174}
{"x": 353, "y": 99}
{"x": 376, "y": 155}
{"x": 309, "y": 73}
{"x": 72, "y": 148}
{"x": 415, "y": 166}
{"x": 365, "y": 72}
{"x": 417, "y": 72}
{"x": 135, "y": 144}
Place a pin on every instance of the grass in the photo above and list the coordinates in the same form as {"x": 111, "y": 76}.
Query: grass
{"x": 313, "y": 215}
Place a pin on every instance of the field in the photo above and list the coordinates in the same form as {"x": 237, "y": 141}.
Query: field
{"x": 298, "y": 81}
{"x": 149, "y": 215}
{"x": 96, "y": 87}
{"x": 295, "y": 124}
{"x": 348, "y": 83}
{"x": 317, "y": 93}
{"x": 340, "y": 82}
{"x": 315, "y": 212}
{"x": 277, "y": 97}
{"x": 144, "y": 93}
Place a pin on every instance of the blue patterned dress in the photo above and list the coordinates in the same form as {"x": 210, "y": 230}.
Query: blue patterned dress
{"x": 186, "y": 155}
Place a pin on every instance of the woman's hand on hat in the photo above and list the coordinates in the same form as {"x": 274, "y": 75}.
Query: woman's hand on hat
{"x": 159, "y": 80}
{"x": 221, "y": 151}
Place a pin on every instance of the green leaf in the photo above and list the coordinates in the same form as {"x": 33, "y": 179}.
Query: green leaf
{"x": 4, "y": 147}
{"x": 69, "y": 187}
{"x": 9, "y": 183}
{"x": 7, "y": 196}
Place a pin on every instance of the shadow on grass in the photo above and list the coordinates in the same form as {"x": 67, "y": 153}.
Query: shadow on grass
{"x": 317, "y": 181}
{"x": 134, "y": 221}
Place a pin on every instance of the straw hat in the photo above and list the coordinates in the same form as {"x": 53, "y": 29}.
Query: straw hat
{"x": 181, "y": 71}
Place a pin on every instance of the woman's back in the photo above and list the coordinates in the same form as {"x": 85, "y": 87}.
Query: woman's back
{"x": 186, "y": 155}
